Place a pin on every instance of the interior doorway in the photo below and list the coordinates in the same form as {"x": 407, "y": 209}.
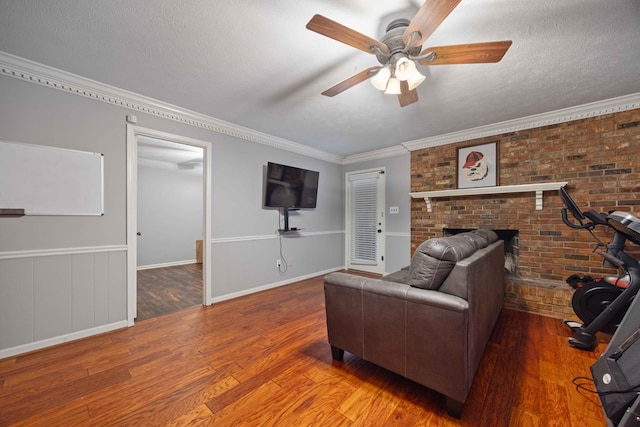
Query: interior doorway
{"x": 168, "y": 221}
{"x": 170, "y": 227}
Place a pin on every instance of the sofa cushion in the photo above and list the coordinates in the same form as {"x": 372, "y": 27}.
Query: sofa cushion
{"x": 435, "y": 258}
{"x": 489, "y": 236}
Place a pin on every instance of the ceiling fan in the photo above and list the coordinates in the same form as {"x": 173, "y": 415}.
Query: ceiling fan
{"x": 401, "y": 47}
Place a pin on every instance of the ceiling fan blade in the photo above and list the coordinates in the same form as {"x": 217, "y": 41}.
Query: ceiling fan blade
{"x": 476, "y": 53}
{"x": 407, "y": 96}
{"x": 346, "y": 35}
{"x": 351, "y": 81}
{"x": 428, "y": 18}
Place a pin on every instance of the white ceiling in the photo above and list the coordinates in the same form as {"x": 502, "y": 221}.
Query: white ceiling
{"x": 254, "y": 64}
{"x": 169, "y": 155}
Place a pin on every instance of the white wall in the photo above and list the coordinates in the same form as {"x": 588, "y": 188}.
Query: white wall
{"x": 169, "y": 214}
{"x": 65, "y": 277}
{"x": 246, "y": 243}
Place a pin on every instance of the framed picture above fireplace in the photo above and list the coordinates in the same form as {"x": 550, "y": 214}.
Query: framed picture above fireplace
{"x": 477, "y": 165}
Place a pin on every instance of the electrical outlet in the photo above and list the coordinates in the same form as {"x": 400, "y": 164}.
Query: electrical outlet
{"x": 278, "y": 263}
{"x": 394, "y": 209}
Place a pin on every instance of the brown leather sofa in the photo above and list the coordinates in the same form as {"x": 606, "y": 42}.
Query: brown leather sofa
{"x": 429, "y": 322}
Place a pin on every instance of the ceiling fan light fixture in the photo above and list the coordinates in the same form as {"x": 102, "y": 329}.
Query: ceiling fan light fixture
{"x": 393, "y": 87}
{"x": 399, "y": 51}
{"x": 415, "y": 80}
{"x": 380, "y": 80}
{"x": 405, "y": 68}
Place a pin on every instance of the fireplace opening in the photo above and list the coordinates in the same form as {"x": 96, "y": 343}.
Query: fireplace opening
{"x": 511, "y": 246}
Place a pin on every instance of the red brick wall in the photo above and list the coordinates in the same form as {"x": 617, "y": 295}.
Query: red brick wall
{"x": 599, "y": 157}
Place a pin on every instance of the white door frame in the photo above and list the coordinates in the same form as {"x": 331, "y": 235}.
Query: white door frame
{"x": 379, "y": 268}
{"x": 133, "y": 131}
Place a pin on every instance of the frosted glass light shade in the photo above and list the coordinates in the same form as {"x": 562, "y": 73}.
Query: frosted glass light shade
{"x": 415, "y": 79}
{"x": 405, "y": 68}
{"x": 393, "y": 87}
{"x": 379, "y": 81}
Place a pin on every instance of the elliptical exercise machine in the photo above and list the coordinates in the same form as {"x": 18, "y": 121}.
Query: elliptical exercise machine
{"x": 601, "y": 305}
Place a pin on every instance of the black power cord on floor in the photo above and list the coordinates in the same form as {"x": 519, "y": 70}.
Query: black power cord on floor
{"x": 582, "y": 387}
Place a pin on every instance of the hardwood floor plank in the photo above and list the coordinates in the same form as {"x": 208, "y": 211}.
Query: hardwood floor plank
{"x": 372, "y": 402}
{"x": 184, "y": 399}
{"x": 168, "y": 289}
{"x": 523, "y": 418}
{"x": 528, "y": 393}
{"x": 122, "y": 405}
{"x": 502, "y": 388}
{"x": 553, "y": 408}
{"x": 46, "y": 376}
{"x": 55, "y": 418}
{"x": 266, "y": 395}
{"x": 263, "y": 359}
{"x": 199, "y": 416}
{"x": 309, "y": 405}
{"x": 28, "y": 403}
{"x": 129, "y": 360}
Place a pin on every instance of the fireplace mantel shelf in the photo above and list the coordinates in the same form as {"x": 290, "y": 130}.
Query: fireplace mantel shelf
{"x": 462, "y": 192}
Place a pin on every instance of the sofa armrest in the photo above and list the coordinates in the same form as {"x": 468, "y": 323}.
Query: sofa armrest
{"x": 343, "y": 305}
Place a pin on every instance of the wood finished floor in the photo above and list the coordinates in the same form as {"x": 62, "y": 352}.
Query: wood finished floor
{"x": 264, "y": 360}
{"x": 168, "y": 289}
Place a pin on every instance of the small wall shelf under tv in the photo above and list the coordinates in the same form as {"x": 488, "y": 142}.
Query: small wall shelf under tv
{"x": 287, "y": 229}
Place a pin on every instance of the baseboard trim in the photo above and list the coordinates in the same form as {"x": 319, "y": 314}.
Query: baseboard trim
{"x": 270, "y": 286}
{"x": 38, "y": 345}
{"x": 166, "y": 264}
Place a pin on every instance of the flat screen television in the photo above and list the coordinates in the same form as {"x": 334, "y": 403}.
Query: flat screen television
{"x": 290, "y": 187}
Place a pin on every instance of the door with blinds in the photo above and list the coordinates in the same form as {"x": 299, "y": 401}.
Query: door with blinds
{"x": 365, "y": 220}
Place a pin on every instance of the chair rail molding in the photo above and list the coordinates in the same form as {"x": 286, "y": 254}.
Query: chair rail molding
{"x": 502, "y": 189}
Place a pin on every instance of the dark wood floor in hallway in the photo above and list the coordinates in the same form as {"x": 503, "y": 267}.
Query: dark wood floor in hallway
{"x": 263, "y": 360}
{"x": 168, "y": 289}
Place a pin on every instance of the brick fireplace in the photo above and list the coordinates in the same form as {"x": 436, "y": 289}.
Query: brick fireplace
{"x": 597, "y": 156}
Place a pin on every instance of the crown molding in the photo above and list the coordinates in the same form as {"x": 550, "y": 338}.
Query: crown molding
{"x": 397, "y": 150}
{"x": 599, "y": 108}
{"x": 30, "y": 71}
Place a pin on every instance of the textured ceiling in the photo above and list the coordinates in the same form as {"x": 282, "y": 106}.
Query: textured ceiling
{"x": 169, "y": 154}
{"x": 254, "y": 64}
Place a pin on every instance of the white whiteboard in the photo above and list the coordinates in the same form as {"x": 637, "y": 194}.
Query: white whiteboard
{"x": 50, "y": 180}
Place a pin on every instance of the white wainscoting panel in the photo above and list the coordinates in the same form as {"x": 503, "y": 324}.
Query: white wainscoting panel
{"x": 16, "y": 302}
{"x": 49, "y": 299}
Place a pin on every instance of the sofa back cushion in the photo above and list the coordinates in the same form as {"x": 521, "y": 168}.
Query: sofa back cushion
{"x": 435, "y": 258}
{"x": 481, "y": 238}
